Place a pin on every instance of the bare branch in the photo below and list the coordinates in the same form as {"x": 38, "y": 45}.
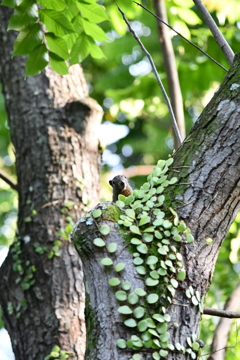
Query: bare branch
{"x": 175, "y": 93}
{"x": 190, "y": 42}
{"x": 174, "y": 123}
{"x": 221, "y": 41}
{"x": 222, "y": 313}
{"x": 8, "y": 180}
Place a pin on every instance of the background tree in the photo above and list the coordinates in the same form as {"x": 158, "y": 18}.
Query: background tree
{"x": 136, "y": 98}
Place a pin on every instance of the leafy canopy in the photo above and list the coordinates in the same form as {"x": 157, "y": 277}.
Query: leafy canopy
{"x": 53, "y": 31}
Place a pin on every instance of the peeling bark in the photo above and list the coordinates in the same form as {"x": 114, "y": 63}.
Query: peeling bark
{"x": 54, "y": 131}
{"x": 206, "y": 197}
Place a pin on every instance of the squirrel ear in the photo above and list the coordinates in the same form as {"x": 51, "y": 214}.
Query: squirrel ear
{"x": 110, "y": 182}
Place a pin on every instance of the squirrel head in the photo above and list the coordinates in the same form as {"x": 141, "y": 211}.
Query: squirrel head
{"x": 119, "y": 181}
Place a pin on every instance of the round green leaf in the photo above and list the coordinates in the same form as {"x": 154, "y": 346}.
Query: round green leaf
{"x": 195, "y": 346}
{"x": 162, "y": 272}
{"x": 140, "y": 292}
{"x": 130, "y": 323}
{"x": 158, "y": 317}
{"x": 121, "y": 295}
{"x": 194, "y": 300}
{"x": 112, "y": 247}
{"x": 119, "y": 267}
{"x": 106, "y": 262}
{"x": 209, "y": 241}
{"x": 152, "y": 260}
{"x": 181, "y": 275}
{"x": 143, "y": 249}
{"x": 141, "y": 270}
{"x": 104, "y": 229}
{"x": 189, "y": 238}
{"x": 142, "y": 325}
{"x": 121, "y": 343}
{"x": 139, "y": 312}
{"x": 144, "y": 220}
{"x": 125, "y": 310}
{"x": 154, "y": 274}
{"x": 126, "y": 285}
{"x": 114, "y": 282}
{"x": 164, "y": 337}
{"x": 173, "y": 180}
{"x": 147, "y": 237}
{"x": 174, "y": 283}
{"x": 120, "y": 204}
{"x": 96, "y": 213}
{"x": 152, "y": 298}
{"x": 99, "y": 242}
{"x": 162, "y": 328}
{"x": 156, "y": 356}
{"x": 138, "y": 261}
{"x": 136, "y": 241}
{"x": 132, "y": 298}
{"x": 151, "y": 282}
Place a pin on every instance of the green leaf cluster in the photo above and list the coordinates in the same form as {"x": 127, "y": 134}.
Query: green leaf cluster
{"x": 60, "y": 33}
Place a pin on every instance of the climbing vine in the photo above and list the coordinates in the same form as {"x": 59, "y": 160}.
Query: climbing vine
{"x": 156, "y": 236}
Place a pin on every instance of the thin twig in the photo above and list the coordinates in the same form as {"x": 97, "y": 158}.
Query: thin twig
{"x": 9, "y": 181}
{"x": 190, "y": 42}
{"x": 221, "y": 41}
{"x": 174, "y": 123}
{"x": 222, "y": 313}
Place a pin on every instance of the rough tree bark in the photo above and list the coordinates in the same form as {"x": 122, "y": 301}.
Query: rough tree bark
{"x": 206, "y": 196}
{"x": 54, "y": 131}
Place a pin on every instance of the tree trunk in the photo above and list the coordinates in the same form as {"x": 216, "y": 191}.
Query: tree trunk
{"x": 54, "y": 131}
{"x": 206, "y": 197}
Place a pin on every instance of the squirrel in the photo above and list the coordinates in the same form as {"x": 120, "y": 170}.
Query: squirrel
{"x": 120, "y": 185}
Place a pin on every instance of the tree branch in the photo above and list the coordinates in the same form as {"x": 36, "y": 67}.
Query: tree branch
{"x": 221, "y": 41}
{"x": 222, "y": 313}
{"x": 170, "y": 67}
{"x": 174, "y": 122}
{"x": 190, "y": 42}
{"x": 8, "y": 180}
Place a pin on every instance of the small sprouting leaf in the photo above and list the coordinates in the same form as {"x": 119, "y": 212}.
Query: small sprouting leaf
{"x": 181, "y": 226}
{"x": 152, "y": 298}
{"x": 188, "y": 293}
{"x": 167, "y": 317}
{"x": 121, "y": 295}
{"x": 119, "y": 267}
{"x": 139, "y": 312}
{"x": 209, "y": 241}
{"x": 96, "y": 213}
{"x": 106, "y": 262}
{"x": 198, "y": 296}
{"x": 112, "y": 247}
{"x": 130, "y": 323}
{"x": 104, "y": 230}
{"x": 189, "y": 341}
{"x": 114, "y": 282}
{"x": 121, "y": 343}
{"x": 133, "y": 298}
{"x": 135, "y": 229}
{"x": 126, "y": 285}
{"x": 125, "y": 310}
{"x": 99, "y": 242}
